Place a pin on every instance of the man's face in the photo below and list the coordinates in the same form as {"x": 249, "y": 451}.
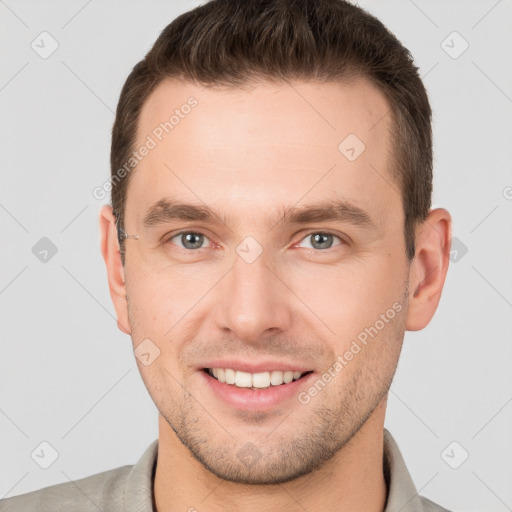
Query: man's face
{"x": 261, "y": 290}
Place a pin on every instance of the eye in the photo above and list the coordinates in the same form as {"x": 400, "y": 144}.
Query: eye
{"x": 192, "y": 240}
{"x": 321, "y": 240}
{"x": 189, "y": 240}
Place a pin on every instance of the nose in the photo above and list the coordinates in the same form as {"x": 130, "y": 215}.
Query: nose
{"x": 254, "y": 301}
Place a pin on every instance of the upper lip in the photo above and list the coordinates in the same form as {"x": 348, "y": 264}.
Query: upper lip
{"x": 257, "y": 367}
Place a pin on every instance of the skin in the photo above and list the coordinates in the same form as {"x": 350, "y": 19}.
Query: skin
{"x": 247, "y": 153}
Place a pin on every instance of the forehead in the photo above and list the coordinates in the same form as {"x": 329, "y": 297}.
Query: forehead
{"x": 268, "y": 144}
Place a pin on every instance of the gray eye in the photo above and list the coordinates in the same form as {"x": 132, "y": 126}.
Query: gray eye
{"x": 190, "y": 240}
{"x": 321, "y": 240}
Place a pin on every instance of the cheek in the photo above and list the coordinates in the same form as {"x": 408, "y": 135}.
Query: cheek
{"x": 369, "y": 282}
{"x": 350, "y": 298}
{"x": 169, "y": 309}
{"x": 164, "y": 384}
{"x": 158, "y": 299}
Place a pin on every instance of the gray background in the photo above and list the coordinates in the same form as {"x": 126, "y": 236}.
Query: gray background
{"x": 68, "y": 376}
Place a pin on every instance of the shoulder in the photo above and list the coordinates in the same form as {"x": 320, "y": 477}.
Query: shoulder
{"x": 402, "y": 493}
{"x": 109, "y": 491}
{"x": 430, "y": 506}
{"x": 102, "y": 491}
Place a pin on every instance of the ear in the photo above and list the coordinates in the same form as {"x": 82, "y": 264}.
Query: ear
{"x": 428, "y": 268}
{"x": 115, "y": 270}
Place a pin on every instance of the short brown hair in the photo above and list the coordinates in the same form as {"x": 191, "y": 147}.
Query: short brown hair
{"x": 236, "y": 42}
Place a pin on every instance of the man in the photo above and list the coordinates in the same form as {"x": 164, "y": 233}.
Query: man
{"x": 270, "y": 240}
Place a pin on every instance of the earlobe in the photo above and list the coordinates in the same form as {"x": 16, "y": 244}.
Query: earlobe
{"x": 428, "y": 269}
{"x": 115, "y": 270}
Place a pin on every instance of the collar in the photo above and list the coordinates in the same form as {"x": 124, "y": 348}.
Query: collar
{"x": 402, "y": 494}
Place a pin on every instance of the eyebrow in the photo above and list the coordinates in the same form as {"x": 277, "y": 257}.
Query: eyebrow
{"x": 167, "y": 210}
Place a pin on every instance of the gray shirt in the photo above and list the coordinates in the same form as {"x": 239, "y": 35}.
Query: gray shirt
{"x": 130, "y": 489}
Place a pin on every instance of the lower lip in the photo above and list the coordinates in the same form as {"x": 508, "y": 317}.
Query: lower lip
{"x": 249, "y": 399}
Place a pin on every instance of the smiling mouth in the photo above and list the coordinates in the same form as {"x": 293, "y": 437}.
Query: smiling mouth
{"x": 261, "y": 380}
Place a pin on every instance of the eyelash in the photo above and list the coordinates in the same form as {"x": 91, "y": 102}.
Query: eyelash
{"x": 168, "y": 239}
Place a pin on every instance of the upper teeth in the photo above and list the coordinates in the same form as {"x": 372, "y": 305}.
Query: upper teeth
{"x": 254, "y": 380}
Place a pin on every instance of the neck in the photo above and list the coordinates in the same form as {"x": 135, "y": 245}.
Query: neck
{"x": 353, "y": 480}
